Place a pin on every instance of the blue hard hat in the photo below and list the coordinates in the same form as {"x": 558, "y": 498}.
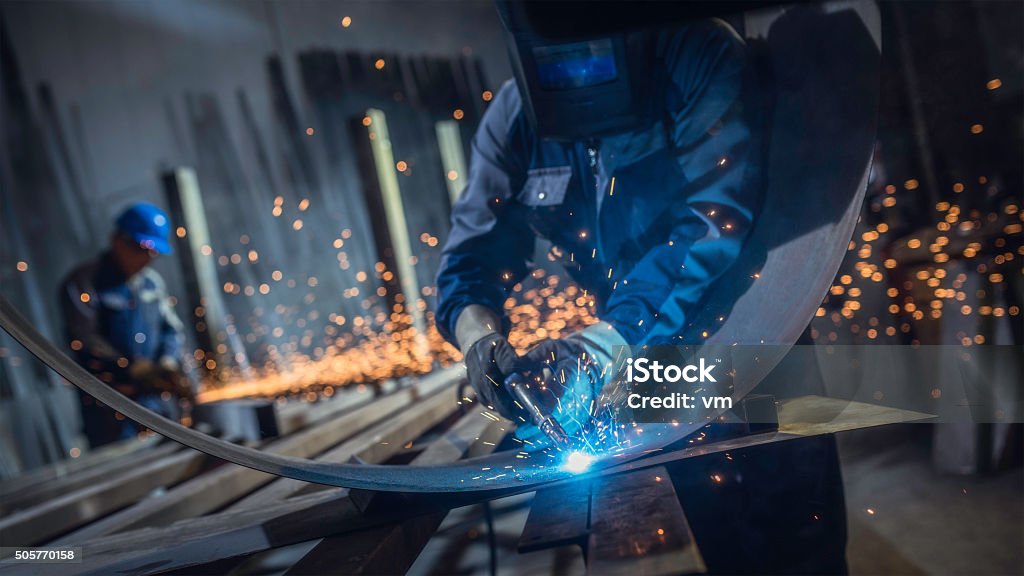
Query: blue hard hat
{"x": 147, "y": 225}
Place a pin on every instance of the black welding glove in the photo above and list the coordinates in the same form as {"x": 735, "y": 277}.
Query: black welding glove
{"x": 489, "y": 361}
{"x": 591, "y": 351}
{"x": 575, "y": 370}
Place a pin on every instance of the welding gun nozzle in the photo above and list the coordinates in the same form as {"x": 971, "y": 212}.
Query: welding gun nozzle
{"x": 516, "y": 383}
{"x": 554, "y": 431}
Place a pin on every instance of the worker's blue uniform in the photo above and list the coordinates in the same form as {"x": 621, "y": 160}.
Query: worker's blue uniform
{"x": 645, "y": 222}
{"x": 111, "y": 321}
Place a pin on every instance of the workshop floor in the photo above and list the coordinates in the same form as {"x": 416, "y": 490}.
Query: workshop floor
{"x": 924, "y": 522}
{"x": 920, "y": 522}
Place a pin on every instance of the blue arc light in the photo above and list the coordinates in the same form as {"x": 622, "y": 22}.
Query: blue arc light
{"x": 577, "y": 462}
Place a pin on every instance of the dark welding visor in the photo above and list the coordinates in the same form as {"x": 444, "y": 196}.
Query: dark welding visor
{"x": 589, "y": 69}
{"x": 576, "y": 83}
{"x": 575, "y": 65}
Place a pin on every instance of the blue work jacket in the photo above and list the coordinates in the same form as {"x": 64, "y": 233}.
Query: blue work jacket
{"x": 645, "y": 221}
{"x": 111, "y": 321}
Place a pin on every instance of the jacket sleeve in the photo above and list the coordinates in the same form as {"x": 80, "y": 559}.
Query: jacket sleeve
{"x": 716, "y": 157}
{"x": 172, "y": 333}
{"x": 79, "y": 308}
{"x": 487, "y": 249}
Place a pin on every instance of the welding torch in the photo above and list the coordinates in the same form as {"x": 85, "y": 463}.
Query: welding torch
{"x": 518, "y": 384}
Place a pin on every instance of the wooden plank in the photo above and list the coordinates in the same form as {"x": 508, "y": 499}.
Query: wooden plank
{"x": 99, "y": 457}
{"x": 558, "y": 517}
{"x": 57, "y": 487}
{"x": 297, "y": 415}
{"x": 373, "y": 446}
{"x": 210, "y": 538}
{"x": 42, "y": 522}
{"x": 203, "y": 494}
{"x": 638, "y": 527}
{"x": 392, "y": 549}
{"x": 298, "y": 519}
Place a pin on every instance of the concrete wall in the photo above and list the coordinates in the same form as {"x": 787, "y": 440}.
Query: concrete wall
{"x": 122, "y": 74}
{"x": 121, "y": 62}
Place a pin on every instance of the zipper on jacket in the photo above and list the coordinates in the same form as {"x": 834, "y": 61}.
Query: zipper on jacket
{"x": 592, "y": 147}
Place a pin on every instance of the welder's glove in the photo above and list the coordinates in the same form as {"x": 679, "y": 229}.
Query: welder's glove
{"x": 489, "y": 358}
{"x": 576, "y": 369}
{"x": 489, "y": 361}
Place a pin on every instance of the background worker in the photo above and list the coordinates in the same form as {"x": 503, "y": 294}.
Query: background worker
{"x": 122, "y": 327}
{"x": 636, "y": 153}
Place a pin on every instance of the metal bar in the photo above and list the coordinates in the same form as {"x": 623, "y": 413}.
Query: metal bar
{"x": 455, "y": 479}
{"x": 638, "y": 527}
{"x": 394, "y": 478}
{"x": 23, "y": 170}
{"x": 202, "y": 285}
{"x": 72, "y": 195}
{"x": 453, "y": 157}
{"x": 558, "y": 517}
{"x": 384, "y": 199}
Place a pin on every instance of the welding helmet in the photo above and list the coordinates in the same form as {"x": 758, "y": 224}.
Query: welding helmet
{"x": 583, "y": 68}
{"x": 590, "y": 69}
{"x": 147, "y": 225}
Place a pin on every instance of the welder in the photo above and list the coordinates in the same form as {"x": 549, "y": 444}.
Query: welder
{"x": 121, "y": 326}
{"x": 634, "y": 149}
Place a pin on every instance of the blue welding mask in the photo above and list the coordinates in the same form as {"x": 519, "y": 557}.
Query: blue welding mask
{"x": 580, "y": 74}
{"x": 588, "y": 69}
